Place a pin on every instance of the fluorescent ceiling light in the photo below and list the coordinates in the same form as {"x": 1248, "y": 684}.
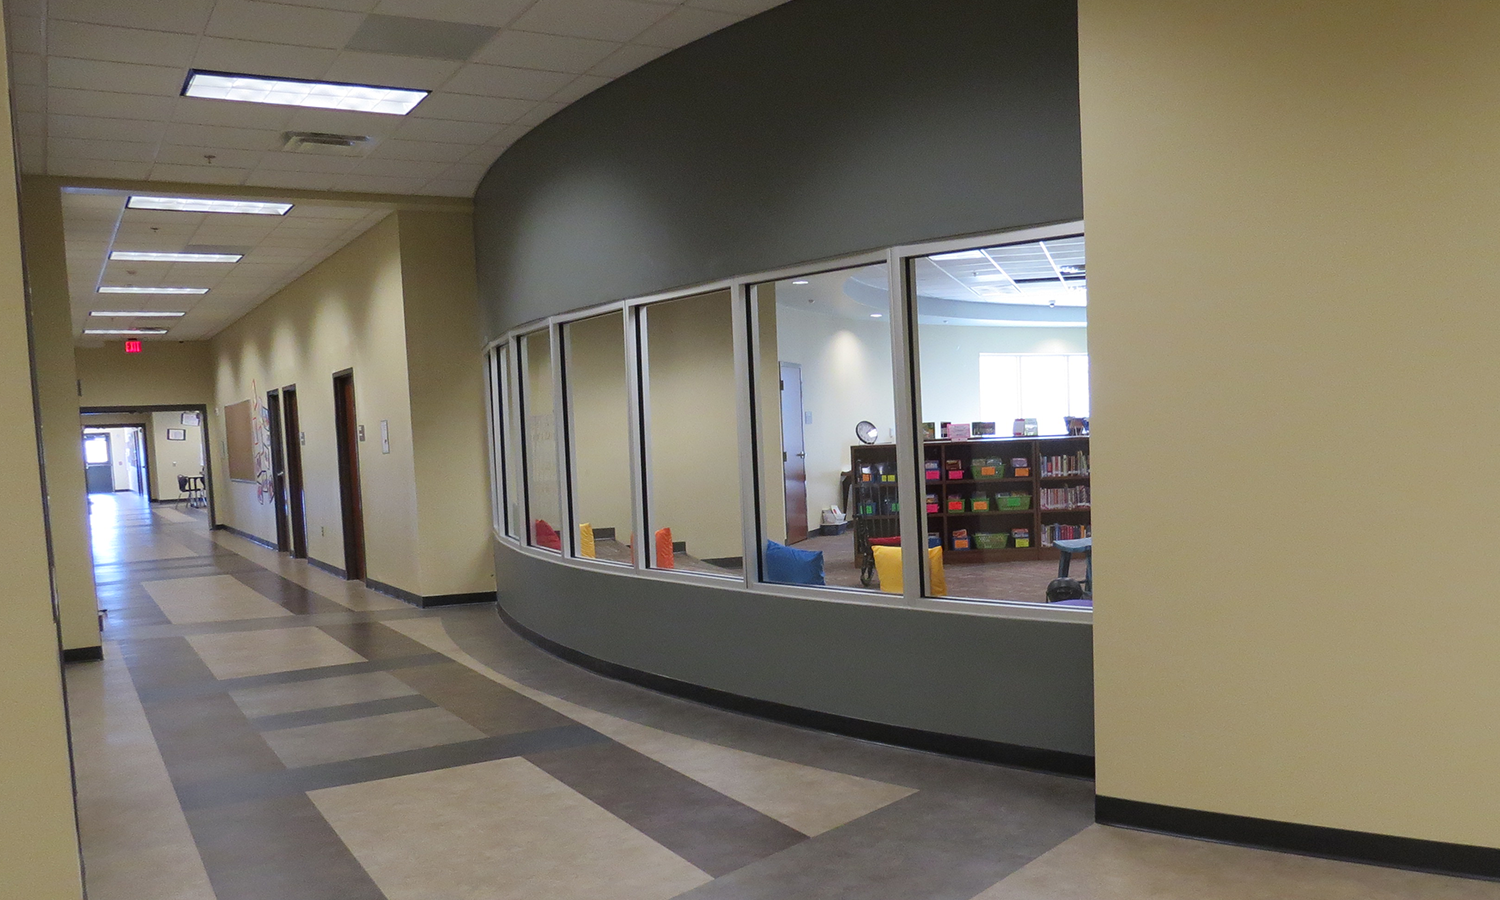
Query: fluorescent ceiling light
{"x": 198, "y": 204}
{"x": 124, "y": 331}
{"x": 875, "y": 315}
{"x": 962, "y": 254}
{"x": 800, "y": 281}
{"x": 154, "y": 256}
{"x": 123, "y": 289}
{"x": 292, "y": 92}
{"x": 135, "y": 313}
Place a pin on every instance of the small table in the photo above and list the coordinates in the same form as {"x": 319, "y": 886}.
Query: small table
{"x": 1065, "y": 559}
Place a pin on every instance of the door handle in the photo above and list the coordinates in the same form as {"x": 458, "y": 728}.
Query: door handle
{"x": 802, "y": 456}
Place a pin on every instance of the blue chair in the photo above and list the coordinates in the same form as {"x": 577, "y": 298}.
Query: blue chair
{"x": 1065, "y": 560}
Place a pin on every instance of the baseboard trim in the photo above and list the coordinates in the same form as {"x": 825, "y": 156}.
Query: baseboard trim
{"x": 1054, "y": 762}
{"x": 390, "y": 590}
{"x": 246, "y": 535}
{"x": 330, "y": 568}
{"x": 1441, "y": 858}
{"x": 83, "y": 654}
{"x": 458, "y": 599}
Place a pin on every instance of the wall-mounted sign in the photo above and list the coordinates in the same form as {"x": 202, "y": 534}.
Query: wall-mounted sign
{"x": 176, "y": 434}
{"x": 132, "y": 346}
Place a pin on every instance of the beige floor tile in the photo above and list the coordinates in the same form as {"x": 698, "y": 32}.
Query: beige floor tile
{"x": 172, "y": 516}
{"x": 809, "y": 799}
{"x": 210, "y": 598}
{"x": 1103, "y": 863}
{"x": 133, "y": 550}
{"x": 309, "y": 745}
{"x": 136, "y": 842}
{"x": 351, "y": 594}
{"x": 237, "y": 654}
{"x": 275, "y": 699}
{"x": 499, "y": 830}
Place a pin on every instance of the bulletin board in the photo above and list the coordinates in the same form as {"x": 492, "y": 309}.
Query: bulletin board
{"x": 239, "y": 439}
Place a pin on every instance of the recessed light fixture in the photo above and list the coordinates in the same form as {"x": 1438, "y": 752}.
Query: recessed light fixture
{"x": 125, "y": 331}
{"x": 154, "y": 256}
{"x": 875, "y": 315}
{"x": 293, "y": 92}
{"x": 962, "y": 254}
{"x": 199, "y": 204}
{"x": 800, "y": 281}
{"x": 130, "y": 289}
{"x": 136, "y": 313}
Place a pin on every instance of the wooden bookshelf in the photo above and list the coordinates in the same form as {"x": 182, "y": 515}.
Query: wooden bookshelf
{"x": 1064, "y": 459}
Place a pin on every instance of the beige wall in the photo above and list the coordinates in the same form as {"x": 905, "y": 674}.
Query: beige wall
{"x": 542, "y": 497}
{"x": 950, "y": 363}
{"x": 1291, "y": 215}
{"x": 57, "y": 395}
{"x": 162, "y": 374}
{"x": 597, "y": 401}
{"x": 168, "y": 459}
{"x": 38, "y": 830}
{"x": 346, "y": 313}
{"x": 448, "y": 423}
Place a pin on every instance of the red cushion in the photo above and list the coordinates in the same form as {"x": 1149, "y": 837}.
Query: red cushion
{"x": 885, "y": 542}
{"x": 544, "y": 535}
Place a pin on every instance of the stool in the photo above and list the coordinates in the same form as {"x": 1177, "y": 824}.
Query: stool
{"x": 1065, "y": 559}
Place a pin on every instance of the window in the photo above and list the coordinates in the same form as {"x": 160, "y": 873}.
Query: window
{"x": 502, "y": 493}
{"x": 1045, "y": 387}
{"x": 596, "y": 386}
{"x": 689, "y": 409}
{"x": 823, "y": 367}
{"x": 539, "y": 444}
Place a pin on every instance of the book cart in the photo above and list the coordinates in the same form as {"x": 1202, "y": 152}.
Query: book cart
{"x": 983, "y": 504}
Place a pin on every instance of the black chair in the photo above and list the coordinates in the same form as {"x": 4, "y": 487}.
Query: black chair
{"x": 184, "y": 491}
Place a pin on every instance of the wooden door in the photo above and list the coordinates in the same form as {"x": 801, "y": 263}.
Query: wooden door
{"x": 347, "y": 436}
{"x": 278, "y": 469}
{"x": 793, "y": 453}
{"x": 296, "y": 503}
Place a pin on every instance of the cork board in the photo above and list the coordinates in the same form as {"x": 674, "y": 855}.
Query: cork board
{"x": 239, "y": 438}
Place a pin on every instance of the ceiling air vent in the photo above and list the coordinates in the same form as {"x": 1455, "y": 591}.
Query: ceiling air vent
{"x": 327, "y": 144}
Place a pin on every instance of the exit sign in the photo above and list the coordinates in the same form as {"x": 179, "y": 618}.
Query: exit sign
{"x": 132, "y": 346}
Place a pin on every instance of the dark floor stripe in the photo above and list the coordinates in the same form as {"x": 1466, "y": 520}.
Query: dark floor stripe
{"x": 713, "y": 832}
{"x": 197, "y": 688}
{"x": 373, "y": 640}
{"x": 294, "y": 597}
{"x": 341, "y": 713}
{"x": 218, "y": 792}
{"x": 492, "y": 708}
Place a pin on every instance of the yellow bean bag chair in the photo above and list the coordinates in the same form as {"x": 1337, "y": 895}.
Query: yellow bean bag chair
{"x": 586, "y": 541}
{"x": 888, "y": 568}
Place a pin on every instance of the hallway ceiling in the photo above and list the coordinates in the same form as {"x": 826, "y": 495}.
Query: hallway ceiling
{"x": 97, "y": 83}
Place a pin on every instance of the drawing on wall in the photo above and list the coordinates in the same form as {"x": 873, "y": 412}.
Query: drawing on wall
{"x": 261, "y": 438}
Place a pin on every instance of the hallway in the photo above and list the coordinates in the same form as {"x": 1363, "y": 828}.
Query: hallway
{"x": 260, "y": 729}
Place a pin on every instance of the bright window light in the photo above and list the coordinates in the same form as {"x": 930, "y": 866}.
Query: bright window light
{"x": 199, "y": 204}
{"x": 125, "y": 331}
{"x": 136, "y": 314}
{"x": 290, "y": 92}
{"x": 153, "y": 256}
{"x": 124, "y": 289}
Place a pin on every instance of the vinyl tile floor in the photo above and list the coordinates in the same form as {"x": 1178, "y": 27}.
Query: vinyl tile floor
{"x": 260, "y": 729}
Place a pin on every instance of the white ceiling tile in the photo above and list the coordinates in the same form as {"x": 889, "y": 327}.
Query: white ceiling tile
{"x": 539, "y": 114}
{"x": 70, "y": 102}
{"x": 529, "y": 50}
{"x": 27, "y": 68}
{"x": 36, "y": 9}
{"x": 280, "y": 24}
{"x": 96, "y": 168}
{"x": 464, "y": 172}
{"x": 183, "y": 16}
{"x": 391, "y": 71}
{"x": 100, "y": 129}
{"x": 475, "y": 12}
{"x": 311, "y": 210}
{"x": 33, "y": 150}
{"x": 30, "y": 97}
{"x": 503, "y": 81}
{"x": 361, "y": 6}
{"x": 260, "y": 58}
{"x": 399, "y": 168}
{"x": 191, "y": 135}
{"x": 487, "y": 154}
{"x": 605, "y": 20}
{"x": 627, "y": 59}
{"x": 85, "y": 40}
{"x": 35, "y": 124}
{"x": 75, "y": 148}
{"x": 380, "y": 184}
{"x": 580, "y": 87}
{"x": 340, "y": 121}
{"x": 131, "y": 78}
{"x": 419, "y": 150}
{"x": 738, "y": 7}
{"x": 441, "y": 187}
{"x": 198, "y": 111}
{"x": 178, "y": 154}
{"x": 27, "y": 34}
{"x": 445, "y": 131}
{"x": 199, "y": 174}
{"x": 305, "y": 162}
{"x": 471, "y": 108}
{"x": 685, "y": 26}
{"x": 308, "y": 181}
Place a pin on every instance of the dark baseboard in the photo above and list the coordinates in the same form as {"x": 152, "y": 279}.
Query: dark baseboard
{"x": 246, "y": 535}
{"x": 83, "y": 654}
{"x": 390, "y": 590}
{"x": 1056, "y": 762}
{"x": 679, "y": 546}
{"x": 330, "y": 568}
{"x": 604, "y": 534}
{"x": 457, "y": 599}
{"x": 727, "y": 562}
{"x": 1307, "y": 840}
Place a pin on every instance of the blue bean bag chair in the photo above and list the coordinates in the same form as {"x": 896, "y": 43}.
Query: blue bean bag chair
{"x": 788, "y": 565}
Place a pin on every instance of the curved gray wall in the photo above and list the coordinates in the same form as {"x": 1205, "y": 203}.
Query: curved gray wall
{"x": 817, "y": 129}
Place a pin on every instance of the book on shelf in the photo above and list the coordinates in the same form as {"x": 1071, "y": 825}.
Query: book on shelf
{"x": 1051, "y": 534}
{"x": 1074, "y": 497}
{"x": 1066, "y": 466}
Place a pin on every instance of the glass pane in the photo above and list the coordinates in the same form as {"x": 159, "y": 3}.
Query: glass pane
{"x": 96, "y": 449}
{"x": 540, "y": 442}
{"x": 826, "y": 425}
{"x": 689, "y": 389}
{"x": 599, "y": 436}
{"x": 1002, "y": 339}
{"x": 505, "y": 492}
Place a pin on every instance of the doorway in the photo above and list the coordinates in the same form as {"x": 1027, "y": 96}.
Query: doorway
{"x": 98, "y": 464}
{"x": 793, "y": 453}
{"x": 296, "y": 503}
{"x": 346, "y": 432}
{"x": 278, "y": 470}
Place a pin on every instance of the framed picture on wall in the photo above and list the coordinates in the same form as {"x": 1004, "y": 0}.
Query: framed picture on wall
{"x": 190, "y": 418}
{"x": 176, "y": 434}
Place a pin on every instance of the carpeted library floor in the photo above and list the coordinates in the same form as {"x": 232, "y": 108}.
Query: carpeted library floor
{"x": 260, "y": 729}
